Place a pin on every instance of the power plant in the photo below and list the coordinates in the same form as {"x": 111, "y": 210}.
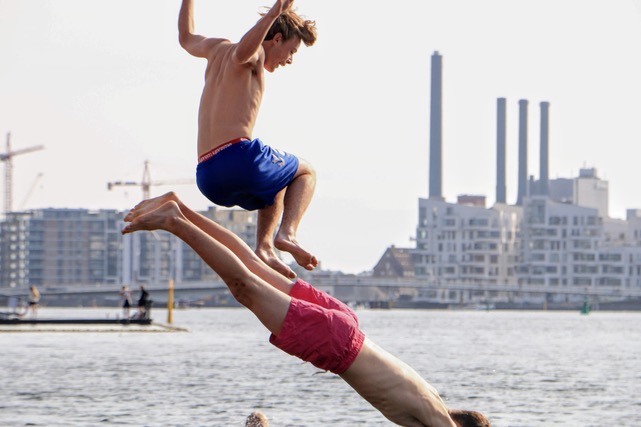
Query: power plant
{"x": 555, "y": 244}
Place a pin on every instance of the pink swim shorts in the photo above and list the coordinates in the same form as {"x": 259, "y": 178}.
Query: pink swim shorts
{"x": 319, "y": 329}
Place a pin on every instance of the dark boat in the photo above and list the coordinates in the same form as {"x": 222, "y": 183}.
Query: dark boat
{"x": 16, "y": 318}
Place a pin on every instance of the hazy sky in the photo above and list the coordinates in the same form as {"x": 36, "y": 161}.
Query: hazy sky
{"x": 105, "y": 86}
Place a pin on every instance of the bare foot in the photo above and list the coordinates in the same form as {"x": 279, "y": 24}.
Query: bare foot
{"x": 269, "y": 257}
{"x": 302, "y": 257}
{"x": 157, "y": 219}
{"x": 149, "y": 205}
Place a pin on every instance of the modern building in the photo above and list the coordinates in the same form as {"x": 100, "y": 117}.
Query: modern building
{"x": 586, "y": 190}
{"x": 54, "y": 248}
{"x": 460, "y": 244}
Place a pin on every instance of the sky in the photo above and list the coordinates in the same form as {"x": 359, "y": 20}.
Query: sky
{"x": 105, "y": 86}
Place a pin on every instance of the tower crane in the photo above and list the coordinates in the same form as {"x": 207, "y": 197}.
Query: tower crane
{"x": 7, "y": 159}
{"x": 146, "y": 182}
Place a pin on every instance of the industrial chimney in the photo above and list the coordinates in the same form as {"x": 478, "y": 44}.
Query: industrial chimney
{"x": 500, "y": 150}
{"x": 544, "y": 180}
{"x": 523, "y": 178}
{"x": 436, "y": 122}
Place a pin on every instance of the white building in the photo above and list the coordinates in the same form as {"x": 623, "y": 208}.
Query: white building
{"x": 462, "y": 244}
{"x": 553, "y": 249}
{"x": 586, "y": 190}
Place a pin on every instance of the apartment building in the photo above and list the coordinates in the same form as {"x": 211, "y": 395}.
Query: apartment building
{"x": 78, "y": 247}
{"x": 466, "y": 244}
{"x": 56, "y": 247}
{"x": 557, "y": 247}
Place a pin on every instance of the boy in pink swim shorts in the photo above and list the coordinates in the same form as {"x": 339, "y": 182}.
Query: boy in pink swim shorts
{"x": 303, "y": 321}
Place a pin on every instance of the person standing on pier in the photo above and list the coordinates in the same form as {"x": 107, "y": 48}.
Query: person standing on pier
{"x": 233, "y": 169}
{"x": 34, "y": 301}
{"x": 143, "y": 300}
{"x": 125, "y": 297}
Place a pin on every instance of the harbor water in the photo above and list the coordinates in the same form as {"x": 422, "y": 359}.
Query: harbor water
{"x": 520, "y": 368}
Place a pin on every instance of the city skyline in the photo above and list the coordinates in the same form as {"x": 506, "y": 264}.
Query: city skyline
{"x": 105, "y": 87}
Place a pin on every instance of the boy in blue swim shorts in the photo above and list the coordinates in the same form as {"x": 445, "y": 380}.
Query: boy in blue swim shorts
{"x": 234, "y": 169}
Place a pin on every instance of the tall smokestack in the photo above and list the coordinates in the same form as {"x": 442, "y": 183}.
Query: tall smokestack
{"x": 500, "y": 150}
{"x": 436, "y": 133}
{"x": 523, "y": 183}
{"x": 544, "y": 179}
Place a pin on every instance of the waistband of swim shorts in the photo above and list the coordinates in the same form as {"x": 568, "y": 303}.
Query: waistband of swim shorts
{"x": 211, "y": 153}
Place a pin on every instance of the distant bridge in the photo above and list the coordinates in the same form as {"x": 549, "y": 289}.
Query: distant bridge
{"x": 429, "y": 285}
{"x": 337, "y": 285}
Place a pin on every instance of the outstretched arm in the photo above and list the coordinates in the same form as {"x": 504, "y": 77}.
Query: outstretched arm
{"x": 195, "y": 44}
{"x": 249, "y": 46}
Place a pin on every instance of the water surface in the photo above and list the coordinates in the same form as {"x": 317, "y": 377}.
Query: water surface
{"x": 520, "y": 368}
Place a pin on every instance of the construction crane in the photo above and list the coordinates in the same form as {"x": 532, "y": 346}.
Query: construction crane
{"x": 7, "y": 158}
{"x": 146, "y": 182}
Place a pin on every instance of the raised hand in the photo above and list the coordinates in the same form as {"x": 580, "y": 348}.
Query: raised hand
{"x": 282, "y": 6}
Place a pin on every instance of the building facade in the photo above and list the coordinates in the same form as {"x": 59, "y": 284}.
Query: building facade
{"x": 59, "y": 247}
{"x": 466, "y": 245}
{"x": 54, "y": 248}
{"x": 554, "y": 247}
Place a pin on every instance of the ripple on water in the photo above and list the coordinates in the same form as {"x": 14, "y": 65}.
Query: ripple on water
{"x": 527, "y": 369}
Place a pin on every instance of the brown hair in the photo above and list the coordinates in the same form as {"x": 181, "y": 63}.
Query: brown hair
{"x": 289, "y": 24}
{"x": 468, "y": 418}
{"x": 256, "y": 419}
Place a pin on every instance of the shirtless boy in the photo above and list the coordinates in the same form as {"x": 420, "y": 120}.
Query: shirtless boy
{"x": 303, "y": 321}
{"x": 233, "y": 168}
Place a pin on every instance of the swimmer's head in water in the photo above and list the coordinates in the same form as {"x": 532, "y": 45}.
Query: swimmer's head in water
{"x": 468, "y": 418}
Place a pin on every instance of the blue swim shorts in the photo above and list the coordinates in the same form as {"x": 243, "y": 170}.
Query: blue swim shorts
{"x": 248, "y": 174}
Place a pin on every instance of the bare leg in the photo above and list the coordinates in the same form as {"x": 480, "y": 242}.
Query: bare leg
{"x": 298, "y": 196}
{"x": 268, "y": 218}
{"x": 219, "y": 233}
{"x": 269, "y": 304}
